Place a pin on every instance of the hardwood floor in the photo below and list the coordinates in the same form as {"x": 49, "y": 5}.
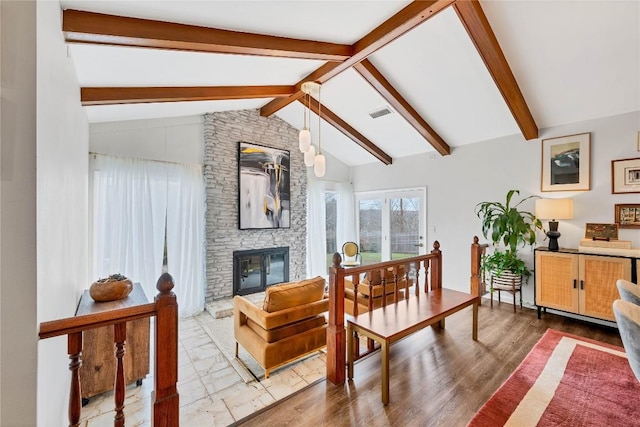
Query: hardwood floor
{"x": 437, "y": 377}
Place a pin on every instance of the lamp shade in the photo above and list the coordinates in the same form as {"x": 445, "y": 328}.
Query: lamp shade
{"x": 304, "y": 139}
{"x": 309, "y": 156}
{"x": 319, "y": 165}
{"x": 554, "y": 208}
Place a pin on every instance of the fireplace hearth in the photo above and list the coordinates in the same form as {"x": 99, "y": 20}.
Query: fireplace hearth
{"x": 256, "y": 269}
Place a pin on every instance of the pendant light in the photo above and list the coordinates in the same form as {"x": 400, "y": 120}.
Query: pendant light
{"x": 318, "y": 160}
{"x": 304, "y": 137}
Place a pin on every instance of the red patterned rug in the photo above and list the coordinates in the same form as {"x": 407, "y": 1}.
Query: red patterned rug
{"x": 566, "y": 380}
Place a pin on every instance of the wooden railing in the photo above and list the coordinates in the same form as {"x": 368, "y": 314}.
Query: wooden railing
{"x": 336, "y": 344}
{"x": 431, "y": 280}
{"x": 165, "y": 410}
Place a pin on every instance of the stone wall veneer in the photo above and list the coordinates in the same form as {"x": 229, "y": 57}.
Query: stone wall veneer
{"x": 222, "y": 132}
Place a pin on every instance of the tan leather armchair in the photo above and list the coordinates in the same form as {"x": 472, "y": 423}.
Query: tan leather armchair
{"x": 372, "y": 296}
{"x": 290, "y": 324}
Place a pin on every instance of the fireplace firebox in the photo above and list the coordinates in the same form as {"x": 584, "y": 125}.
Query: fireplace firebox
{"x": 255, "y": 269}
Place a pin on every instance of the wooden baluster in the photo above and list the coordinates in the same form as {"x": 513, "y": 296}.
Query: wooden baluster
{"x": 427, "y": 265}
{"x": 166, "y": 401}
{"x": 406, "y": 281}
{"x": 418, "y": 278}
{"x": 74, "y": 349}
{"x": 336, "y": 344}
{"x": 119, "y": 338}
{"x": 383, "y": 283}
{"x": 396, "y": 293}
{"x": 356, "y": 339}
{"x": 370, "y": 284}
{"x": 355, "y": 279}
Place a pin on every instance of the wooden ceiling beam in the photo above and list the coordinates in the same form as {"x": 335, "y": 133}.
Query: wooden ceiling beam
{"x": 98, "y": 28}
{"x": 375, "y": 78}
{"x": 408, "y": 18}
{"x": 137, "y": 95}
{"x": 475, "y": 21}
{"x": 344, "y": 127}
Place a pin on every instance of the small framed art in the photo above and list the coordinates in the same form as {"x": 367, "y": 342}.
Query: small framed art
{"x": 565, "y": 163}
{"x": 625, "y": 176}
{"x": 628, "y": 216}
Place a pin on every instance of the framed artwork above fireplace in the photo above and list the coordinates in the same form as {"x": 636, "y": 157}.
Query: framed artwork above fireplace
{"x": 264, "y": 183}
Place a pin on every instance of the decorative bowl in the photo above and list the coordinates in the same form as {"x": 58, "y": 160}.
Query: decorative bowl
{"x": 112, "y": 288}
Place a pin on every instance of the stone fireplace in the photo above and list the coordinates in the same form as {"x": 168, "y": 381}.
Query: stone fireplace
{"x": 222, "y": 132}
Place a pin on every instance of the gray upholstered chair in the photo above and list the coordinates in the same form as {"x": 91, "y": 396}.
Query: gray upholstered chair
{"x": 628, "y": 318}
{"x": 629, "y": 291}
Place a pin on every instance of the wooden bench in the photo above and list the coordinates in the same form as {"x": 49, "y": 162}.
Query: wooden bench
{"x": 392, "y": 322}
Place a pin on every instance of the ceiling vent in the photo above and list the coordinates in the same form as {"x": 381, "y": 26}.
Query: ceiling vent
{"x": 380, "y": 112}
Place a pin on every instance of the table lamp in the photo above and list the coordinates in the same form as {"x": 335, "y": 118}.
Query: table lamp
{"x": 554, "y": 209}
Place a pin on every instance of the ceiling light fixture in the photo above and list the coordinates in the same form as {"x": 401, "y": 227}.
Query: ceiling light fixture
{"x": 318, "y": 161}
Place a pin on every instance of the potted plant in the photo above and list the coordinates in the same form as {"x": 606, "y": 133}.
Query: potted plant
{"x": 511, "y": 227}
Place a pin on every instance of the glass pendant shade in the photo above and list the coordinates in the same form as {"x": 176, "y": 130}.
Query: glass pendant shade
{"x": 319, "y": 165}
{"x": 309, "y": 156}
{"x": 304, "y": 140}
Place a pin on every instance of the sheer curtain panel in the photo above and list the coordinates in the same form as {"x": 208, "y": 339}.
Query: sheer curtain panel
{"x": 135, "y": 202}
{"x": 185, "y": 235}
{"x": 129, "y": 210}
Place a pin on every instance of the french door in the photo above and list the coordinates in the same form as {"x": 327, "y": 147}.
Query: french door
{"x": 391, "y": 224}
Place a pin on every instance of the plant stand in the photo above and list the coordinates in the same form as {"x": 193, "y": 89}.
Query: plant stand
{"x": 508, "y": 282}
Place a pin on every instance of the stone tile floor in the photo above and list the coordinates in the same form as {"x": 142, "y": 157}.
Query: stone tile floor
{"x": 214, "y": 391}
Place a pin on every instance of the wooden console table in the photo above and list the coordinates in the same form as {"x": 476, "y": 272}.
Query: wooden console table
{"x": 98, "y": 371}
{"x": 389, "y": 324}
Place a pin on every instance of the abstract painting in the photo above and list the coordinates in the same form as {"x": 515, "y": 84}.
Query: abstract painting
{"x": 264, "y": 187}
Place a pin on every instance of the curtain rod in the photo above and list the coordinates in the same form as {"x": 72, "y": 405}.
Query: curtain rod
{"x": 94, "y": 154}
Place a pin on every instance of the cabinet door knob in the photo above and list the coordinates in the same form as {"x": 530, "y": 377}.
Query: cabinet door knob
{"x": 575, "y": 283}
{"x": 581, "y": 284}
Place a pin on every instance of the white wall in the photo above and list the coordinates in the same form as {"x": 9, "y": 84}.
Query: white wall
{"x": 175, "y": 139}
{"x": 62, "y": 216}
{"x": 336, "y": 171}
{"x": 18, "y": 330}
{"x": 486, "y": 171}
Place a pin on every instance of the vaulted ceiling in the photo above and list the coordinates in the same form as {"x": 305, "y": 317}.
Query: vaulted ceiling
{"x": 452, "y": 72}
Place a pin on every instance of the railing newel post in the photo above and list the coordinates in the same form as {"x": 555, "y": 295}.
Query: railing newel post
{"x": 166, "y": 401}
{"x": 336, "y": 336}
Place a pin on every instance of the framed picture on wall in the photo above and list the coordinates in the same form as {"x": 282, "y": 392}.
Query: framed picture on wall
{"x": 264, "y": 185}
{"x": 566, "y": 163}
{"x": 628, "y": 216}
{"x": 625, "y": 176}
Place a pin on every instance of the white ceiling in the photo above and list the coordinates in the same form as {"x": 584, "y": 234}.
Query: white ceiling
{"x": 573, "y": 60}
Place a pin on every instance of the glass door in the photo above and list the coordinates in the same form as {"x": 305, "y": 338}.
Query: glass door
{"x": 405, "y": 214}
{"x": 391, "y": 225}
{"x": 370, "y": 228}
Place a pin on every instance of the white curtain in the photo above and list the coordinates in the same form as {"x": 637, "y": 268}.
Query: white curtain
{"x": 346, "y": 225}
{"x": 185, "y": 236}
{"x": 316, "y": 230}
{"x": 133, "y": 201}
